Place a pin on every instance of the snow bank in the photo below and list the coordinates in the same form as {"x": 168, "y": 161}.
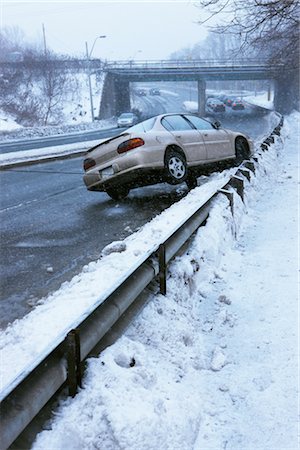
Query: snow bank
{"x": 212, "y": 365}
{"x": 52, "y": 152}
{"x": 261, "y": 100}
{"x": 190, "y": 106}
{"x": 7, "y": 123}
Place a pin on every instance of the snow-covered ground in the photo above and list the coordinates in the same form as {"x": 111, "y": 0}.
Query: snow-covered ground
{"x": 261, "y": 100}
{"x": 7, "y": 123}
{"x": 75, "y": 111}
{"x": 212, "y": 365}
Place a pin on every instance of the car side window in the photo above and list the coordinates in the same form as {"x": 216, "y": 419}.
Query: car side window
{"x": 175, "y": 123}
{"x": 199, "y": 123}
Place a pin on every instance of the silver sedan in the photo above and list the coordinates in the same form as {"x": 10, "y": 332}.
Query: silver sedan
{"x": 171, "y": 148}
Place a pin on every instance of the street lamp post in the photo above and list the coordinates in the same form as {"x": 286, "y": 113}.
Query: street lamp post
{"x": 88, "y": 57}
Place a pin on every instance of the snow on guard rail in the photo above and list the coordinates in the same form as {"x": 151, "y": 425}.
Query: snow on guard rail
{"x": 60, "y": 364}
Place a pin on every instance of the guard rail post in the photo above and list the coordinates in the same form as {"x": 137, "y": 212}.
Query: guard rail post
{"x": 162, "y": 269}
{"x": 249, "y": 165}
{"x": 229, "y": 195}
{"x": 238, "y": 183}
{"x": 245, "y": 172}
{"x": 74, "y": 361}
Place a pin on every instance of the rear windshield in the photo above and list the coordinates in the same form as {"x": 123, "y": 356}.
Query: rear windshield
{"x": 126, "y": 116}
{"x": 142, "y": 127}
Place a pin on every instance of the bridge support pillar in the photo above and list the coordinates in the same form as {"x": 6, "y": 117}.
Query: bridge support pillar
{"x": 201, "y": 97}
{"x": 122, "y": 97}
{"x": 115, "y": 97}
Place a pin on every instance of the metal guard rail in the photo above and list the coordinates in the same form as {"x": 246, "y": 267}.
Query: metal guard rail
{"x": 62, "y": 366}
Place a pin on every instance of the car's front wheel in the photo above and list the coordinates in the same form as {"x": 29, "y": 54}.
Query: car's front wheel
{"x": 118, "y": 193}
{"x": 176, "y": 167}
{"x": 241, "y": 150}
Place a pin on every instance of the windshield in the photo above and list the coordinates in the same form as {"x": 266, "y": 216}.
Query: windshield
{"x": 126, "y": 116}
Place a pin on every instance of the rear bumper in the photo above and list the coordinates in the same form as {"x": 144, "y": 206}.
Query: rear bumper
{"x": 132, "y": 178}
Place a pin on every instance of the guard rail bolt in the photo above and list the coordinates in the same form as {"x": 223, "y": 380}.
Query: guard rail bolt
{"x": 162, "y": 269}
{"x": 73, "y": 361}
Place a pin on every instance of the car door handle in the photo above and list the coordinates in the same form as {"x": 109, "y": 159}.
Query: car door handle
{"x": 178, "y": 135}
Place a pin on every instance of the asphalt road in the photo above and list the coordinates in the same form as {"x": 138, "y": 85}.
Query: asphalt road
{"x": 48, "y": 141}
{"x": 51, "y": 226}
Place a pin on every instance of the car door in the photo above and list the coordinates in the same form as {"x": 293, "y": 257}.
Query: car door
{"x": 187, "y": 136}
{"x": 217, "y": 141}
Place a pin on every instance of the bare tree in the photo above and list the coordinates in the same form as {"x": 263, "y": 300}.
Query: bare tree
{"x": 52, "y": 88}
{"x": 269, "y": 26}
{"x": 32, "y": 84}
{"x": 215, "y": 46}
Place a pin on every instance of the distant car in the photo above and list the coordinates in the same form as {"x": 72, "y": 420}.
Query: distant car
{"x": 154, "y": 91}
{"x": 141, "y": 92}
{"x": 215, "y": 105}
{"x": 127, "y": 120}
{"x": 171, "y": 148}
{"x": 227, "y": 101}
{"x": 238, "y": 105}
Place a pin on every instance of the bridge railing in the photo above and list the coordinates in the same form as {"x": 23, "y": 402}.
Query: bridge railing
{"x": 186, "y": 63}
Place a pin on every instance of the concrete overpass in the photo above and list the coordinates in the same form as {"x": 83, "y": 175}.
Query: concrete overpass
{"x": 119, "y": 75}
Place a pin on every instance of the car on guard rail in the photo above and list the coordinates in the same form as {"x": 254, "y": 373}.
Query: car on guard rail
{"x": 173, "y": 148}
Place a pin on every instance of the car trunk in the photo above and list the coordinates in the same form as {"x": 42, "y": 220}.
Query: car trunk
{"x": 107, "y": 150}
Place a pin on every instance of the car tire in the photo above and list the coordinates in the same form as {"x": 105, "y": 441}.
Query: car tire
{"x": 241, "y": 150}
{"x": 176, "y": 167}
{"x": 118, "y": 193}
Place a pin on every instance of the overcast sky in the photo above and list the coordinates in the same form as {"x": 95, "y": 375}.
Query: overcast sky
{"x": 134, "y": 29}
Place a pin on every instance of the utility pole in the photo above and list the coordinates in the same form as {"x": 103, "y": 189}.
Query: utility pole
{"x": 44, "y": 38}
{"x": 90, "y": 83}
{"x": 88, "y": 57}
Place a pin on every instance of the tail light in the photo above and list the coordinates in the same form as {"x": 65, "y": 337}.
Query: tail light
{"x": 130, "y": 144}
{"x": 88, "y": 163}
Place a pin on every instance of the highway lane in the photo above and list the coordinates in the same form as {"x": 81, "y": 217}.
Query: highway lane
{"x": 51, "y": 225}
{"x": 48, "y": 141}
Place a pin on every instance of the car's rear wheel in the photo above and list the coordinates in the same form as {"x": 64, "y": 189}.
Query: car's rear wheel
{"x": 241, "y": 150}
{"x": 118, "y": 193}
{"x": 176, "y": 167}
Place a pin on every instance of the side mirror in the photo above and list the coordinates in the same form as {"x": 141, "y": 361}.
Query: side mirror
{"x": 216, "y": 124}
